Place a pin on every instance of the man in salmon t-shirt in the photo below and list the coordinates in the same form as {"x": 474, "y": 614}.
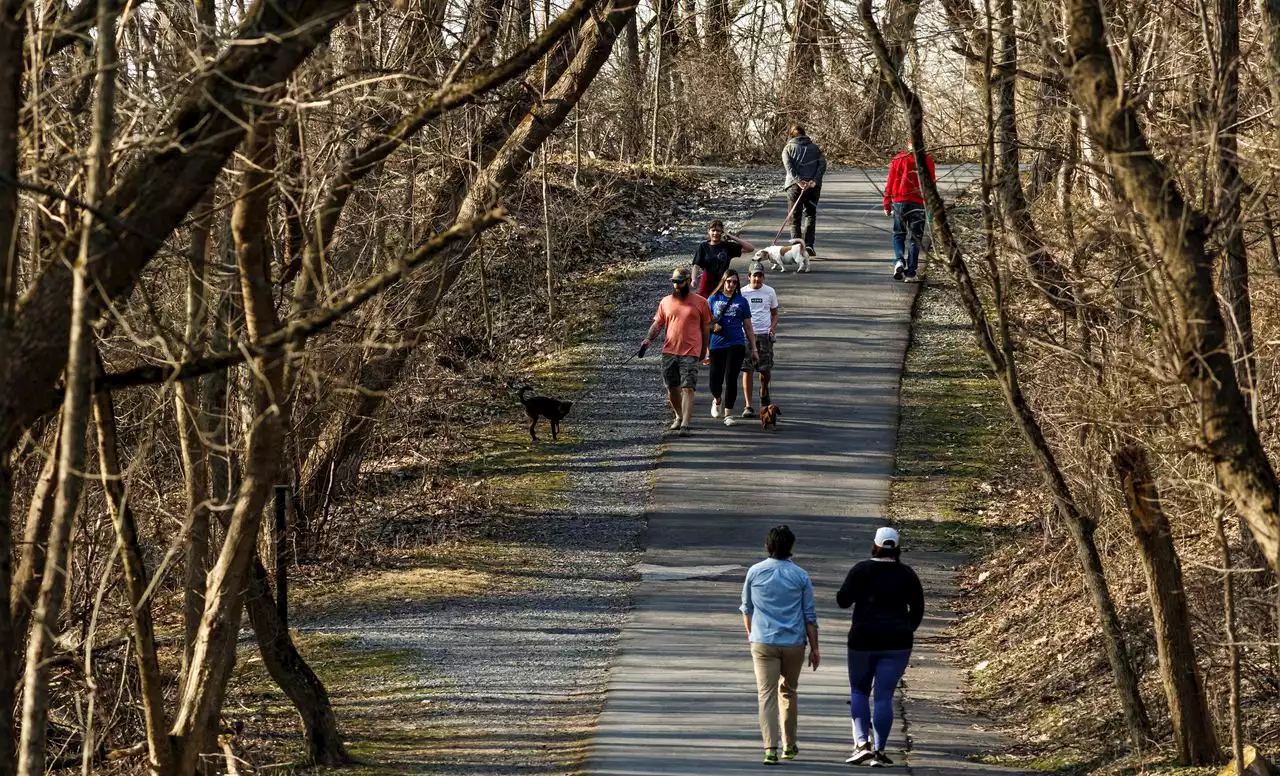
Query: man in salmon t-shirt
{"x": 905, "y": 202}
{"x": 687, "y": 319}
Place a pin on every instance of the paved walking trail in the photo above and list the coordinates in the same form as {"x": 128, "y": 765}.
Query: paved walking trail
{"x": 681, "y": 696}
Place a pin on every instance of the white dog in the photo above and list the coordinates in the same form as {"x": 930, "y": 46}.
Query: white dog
{"x": 779, "y": 255}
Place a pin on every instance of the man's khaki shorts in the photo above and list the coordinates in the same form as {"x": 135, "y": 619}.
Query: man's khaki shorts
{"x": 764, "y": 346}
{"x": 680, "y": 371}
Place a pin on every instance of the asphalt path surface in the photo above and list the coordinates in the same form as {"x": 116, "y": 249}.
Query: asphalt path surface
{"x": 681, "y": 697}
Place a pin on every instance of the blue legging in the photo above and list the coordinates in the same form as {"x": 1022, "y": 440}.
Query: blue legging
{"x": 881, "y": 669}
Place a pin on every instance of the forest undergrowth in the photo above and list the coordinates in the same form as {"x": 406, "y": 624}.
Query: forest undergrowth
{"x": 436, "y": 518}
{"x": 1027, "y": 638}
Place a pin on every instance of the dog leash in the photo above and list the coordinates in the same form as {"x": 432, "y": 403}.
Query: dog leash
{"x": 638, "y": 354}
{"x": 787, "y": 218}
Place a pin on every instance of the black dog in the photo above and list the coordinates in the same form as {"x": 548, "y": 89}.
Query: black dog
{"x": 553, "y": 410}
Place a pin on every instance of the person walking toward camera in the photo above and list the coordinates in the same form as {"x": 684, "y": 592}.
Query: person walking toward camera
{"x": 888, "y": 606}
{"x": 714, "y": 255}
{"x": 731, "y": 336}
{"x": 779, "y": 614}
{"x": 764, "y": 321}
{"x": 805, "y": 165}
{"x": 687, "y": 320}
{"x": 904, "y": 201}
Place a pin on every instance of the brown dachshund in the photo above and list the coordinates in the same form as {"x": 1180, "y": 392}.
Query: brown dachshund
{"x": 769, "y": 417}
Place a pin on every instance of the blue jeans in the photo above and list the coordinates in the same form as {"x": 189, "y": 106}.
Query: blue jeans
{"x": 908, "y": 221}
{"x": 875, "y": 673}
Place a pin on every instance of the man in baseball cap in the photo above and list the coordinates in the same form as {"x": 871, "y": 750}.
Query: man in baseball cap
{"x": 687, "y": 320}
{"x": 886, "y": 537}
{"x": 888, "y": 605}
{"x": 764, "y": 320}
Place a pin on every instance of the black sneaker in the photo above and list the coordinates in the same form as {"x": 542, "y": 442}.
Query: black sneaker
{"x": 879, "y": 760}
{"x": 898, "y": 271}
{"x": 861, "y": 755}
{"x": 809, "y": 250}
{"x": 909, "y": 277}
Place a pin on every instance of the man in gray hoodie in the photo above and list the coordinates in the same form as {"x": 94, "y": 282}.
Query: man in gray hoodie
{"x": 805, "y": 165}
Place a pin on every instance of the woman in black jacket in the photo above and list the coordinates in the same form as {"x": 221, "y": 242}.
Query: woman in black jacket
{"x": 888, "y": 605}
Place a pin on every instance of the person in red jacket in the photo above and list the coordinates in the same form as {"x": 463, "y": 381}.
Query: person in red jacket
{"x": 905, "y": 202}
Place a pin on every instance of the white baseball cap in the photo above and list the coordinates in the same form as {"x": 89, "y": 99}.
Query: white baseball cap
{"x": 887, "y": 537}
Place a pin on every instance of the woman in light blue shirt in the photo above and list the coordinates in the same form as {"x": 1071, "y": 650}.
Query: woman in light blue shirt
{"x": 779, "y": 615}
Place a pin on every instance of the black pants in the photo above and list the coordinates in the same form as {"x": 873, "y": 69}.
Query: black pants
{"x": 725, "y": 365}
{"x": 805, "y": 215}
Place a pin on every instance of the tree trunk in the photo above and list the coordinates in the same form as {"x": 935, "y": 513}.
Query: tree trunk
{"x": 187, "y": 406}
{"x": 287, "y": 666}
{"x": 1005, "y": 370}
{"x": 9, "y": 646}
{"x": 35, "y": 543}
{"x": 75, "y": 414}
{"x": 190, "y": 445}
{"x": 1178, "y": 236}
{"x": 1048, "y": 276}
{"x": 214, "y": 654}
{"x": 1192, "y": 725}
{"x": 1235, "y": 259}
{"x": 137, "y": 580}
{"x": 13, "y": 34}
{"x": 633, "y": 80}
{"x": 1234, "y": 722}
{"x": 804, "y": 65}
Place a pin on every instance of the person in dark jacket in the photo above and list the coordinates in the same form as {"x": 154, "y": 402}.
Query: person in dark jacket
{"x": 805, "y": 166}
{"x": 888, "y": 606}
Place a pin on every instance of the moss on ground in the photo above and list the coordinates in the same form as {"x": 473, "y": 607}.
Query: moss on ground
{"x": 953, "y": 430}
{"x": 377, "y": 695}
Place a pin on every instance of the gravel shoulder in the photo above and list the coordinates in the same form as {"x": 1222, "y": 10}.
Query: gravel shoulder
{"x": 510, "y": 676}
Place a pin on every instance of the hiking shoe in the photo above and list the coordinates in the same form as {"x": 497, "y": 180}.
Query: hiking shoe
{"x": 879, "y": 760}
{"x": 861, "y": 754}
{"x": 730, "y": 420}
{"x": 790, "y": 752}
{"x": 715, "y": 408}
{"x": 771, "y": 757}
{"x": 685, "y": 431}
{"x": 899, "y": 270}
{"x": 747, "y": 412}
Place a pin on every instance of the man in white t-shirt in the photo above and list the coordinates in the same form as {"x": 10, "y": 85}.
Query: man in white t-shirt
{"x": 764, "y": 319}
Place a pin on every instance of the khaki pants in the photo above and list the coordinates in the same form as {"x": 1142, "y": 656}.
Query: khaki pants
{"x": 777, "y": 672}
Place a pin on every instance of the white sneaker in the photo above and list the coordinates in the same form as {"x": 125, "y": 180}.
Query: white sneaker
{"x": 899, "y": 270}
{"x": 675, "y": 424}
{"x": 730, "y": 420}
{"x": 715, "y": 408}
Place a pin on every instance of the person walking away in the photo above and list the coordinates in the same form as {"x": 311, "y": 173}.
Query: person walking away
{"x": 731, "y": 336}
{"x": 779, "y": 614}
{"x": 687, "y": 320}
{"x": 805, "y": 165}
{"x": 888, "y": 605}
{"x": 764, "y": 322}
{"x": 905, "y": 202}
{"x": 714, "y": 255}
